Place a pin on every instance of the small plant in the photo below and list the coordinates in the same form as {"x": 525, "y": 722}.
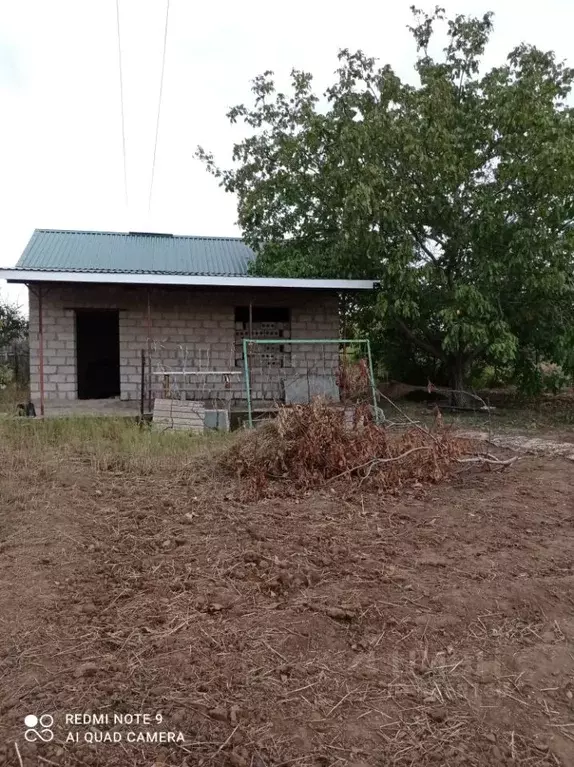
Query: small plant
{"x": 553, "y": 377}
{"x": 6, "y": 376}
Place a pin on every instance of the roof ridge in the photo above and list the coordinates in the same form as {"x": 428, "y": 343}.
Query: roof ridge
{"x": 98, "y": 270}
{"x": 140, "y": 234}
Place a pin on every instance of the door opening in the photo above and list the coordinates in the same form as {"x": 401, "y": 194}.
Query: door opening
{"x": 98, "y": 353}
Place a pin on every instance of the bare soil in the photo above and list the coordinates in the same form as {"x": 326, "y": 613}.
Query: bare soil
{"x": 431, "y": 628}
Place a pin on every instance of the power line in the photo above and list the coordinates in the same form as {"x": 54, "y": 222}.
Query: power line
{"x": 158, "y": 108}
{"x": 122, "y": 104}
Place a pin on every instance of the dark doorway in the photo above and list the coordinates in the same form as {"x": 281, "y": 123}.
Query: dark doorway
{"x": 98, "y": 353}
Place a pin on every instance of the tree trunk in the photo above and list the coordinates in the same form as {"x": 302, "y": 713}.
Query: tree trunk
{"x": 457, "y": 373}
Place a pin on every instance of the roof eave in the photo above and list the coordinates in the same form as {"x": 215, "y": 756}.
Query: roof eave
{"x": 183, "y": 280}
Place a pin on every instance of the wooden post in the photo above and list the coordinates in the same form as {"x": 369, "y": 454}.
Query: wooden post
{"x": 249, "y": 347}
{"x": 142, "y": 385}
{"x": 149, "y": 376}
{"x": 41, "y": 348}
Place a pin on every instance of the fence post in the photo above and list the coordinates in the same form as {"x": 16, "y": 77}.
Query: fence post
{"x": 373, "y": 384}
{"x": 41, "y": 347}
{"x": 142, "y": 384}
{"x": 247, "y": 383}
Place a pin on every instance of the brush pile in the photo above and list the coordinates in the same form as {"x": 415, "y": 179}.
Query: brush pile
{"x": 310, "y": 445}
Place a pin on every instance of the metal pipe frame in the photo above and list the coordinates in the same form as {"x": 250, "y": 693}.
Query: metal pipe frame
{"x": 303, "y": 341}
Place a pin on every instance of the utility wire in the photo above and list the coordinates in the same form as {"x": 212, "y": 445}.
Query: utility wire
{"x": 122, "y": 104}
{"x": 158, "y": 107}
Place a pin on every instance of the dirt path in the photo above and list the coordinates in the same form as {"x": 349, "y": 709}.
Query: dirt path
{"x": 431, "y": 629}
{"x": 549, "y": 446}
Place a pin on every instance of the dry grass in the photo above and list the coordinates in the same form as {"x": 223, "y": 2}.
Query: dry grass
{"x": 11, "y": 397}
{"x": 105, "y": 443}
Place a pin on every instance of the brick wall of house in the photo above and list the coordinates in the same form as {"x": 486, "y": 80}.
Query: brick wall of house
{"x": 192, "y": 329}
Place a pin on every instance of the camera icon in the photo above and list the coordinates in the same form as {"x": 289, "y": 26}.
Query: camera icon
{"x": 38, "y": 728}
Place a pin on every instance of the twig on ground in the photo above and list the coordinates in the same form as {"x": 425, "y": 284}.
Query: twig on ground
{"x": 343, "y": 699}
{"x": 226, "y": 741}
{"x": 268, "y": 646}
{"x": 20, "y": 762}
{"x": 374, "y": 461}
{"x": 47, "y": 761}
{"x": 491, "y": 460}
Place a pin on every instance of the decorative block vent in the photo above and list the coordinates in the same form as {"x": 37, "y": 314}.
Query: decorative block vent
{"x": 263, "y": 322}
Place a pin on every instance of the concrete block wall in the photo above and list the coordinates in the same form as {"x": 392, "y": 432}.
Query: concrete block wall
{"x": 191, "y": 328}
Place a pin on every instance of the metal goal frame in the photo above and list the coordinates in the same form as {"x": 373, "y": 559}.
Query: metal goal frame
{"x": 284, "y": 341}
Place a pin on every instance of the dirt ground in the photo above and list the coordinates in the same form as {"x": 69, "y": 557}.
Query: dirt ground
{"x": 434, "y": 628}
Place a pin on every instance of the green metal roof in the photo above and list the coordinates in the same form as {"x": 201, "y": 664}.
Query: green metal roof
{"x": 135, "y": 253}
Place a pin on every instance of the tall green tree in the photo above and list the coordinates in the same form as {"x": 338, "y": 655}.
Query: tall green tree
{"x": 456, "y": 193}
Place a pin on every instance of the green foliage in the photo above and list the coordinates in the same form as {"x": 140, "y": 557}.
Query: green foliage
{"x": 490, "y": 377}
{"x": 6, "y": 376}
{"x": 457, "y": 193}
{"x": 13, "y": 325}
{"x": 535, "y": 378}
{"x": 527, "y": 373}
{"x": 554, "y": 378}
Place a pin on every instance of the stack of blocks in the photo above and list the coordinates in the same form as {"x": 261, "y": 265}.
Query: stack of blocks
{"x": 178, "y": 415}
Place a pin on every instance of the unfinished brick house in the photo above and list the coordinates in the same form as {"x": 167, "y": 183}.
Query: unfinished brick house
{"x": 117, "y": 319}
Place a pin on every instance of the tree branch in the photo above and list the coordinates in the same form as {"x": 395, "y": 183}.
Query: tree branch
{"x": 426, "y": 345}
{"x": 424, "y": 248}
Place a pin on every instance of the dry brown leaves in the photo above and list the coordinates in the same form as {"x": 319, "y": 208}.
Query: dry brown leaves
{"x": 308, "y": 445}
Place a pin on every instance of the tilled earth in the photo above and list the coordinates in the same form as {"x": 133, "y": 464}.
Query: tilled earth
{"x": 434, "y": 627}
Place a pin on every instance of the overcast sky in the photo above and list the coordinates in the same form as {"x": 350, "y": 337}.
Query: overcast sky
{"x": 61, "y": 160}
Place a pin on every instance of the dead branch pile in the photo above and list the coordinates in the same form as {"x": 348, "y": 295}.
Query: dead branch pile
{"x": 310, "y": 445}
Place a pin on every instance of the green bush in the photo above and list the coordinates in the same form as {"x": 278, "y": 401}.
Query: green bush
{"x": 553, "y": 377}
{"x": 6, "y": 376}
{"x": 490, "y": 377}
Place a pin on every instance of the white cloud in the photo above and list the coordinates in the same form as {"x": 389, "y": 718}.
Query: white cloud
{"x": 60, "y": 134}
